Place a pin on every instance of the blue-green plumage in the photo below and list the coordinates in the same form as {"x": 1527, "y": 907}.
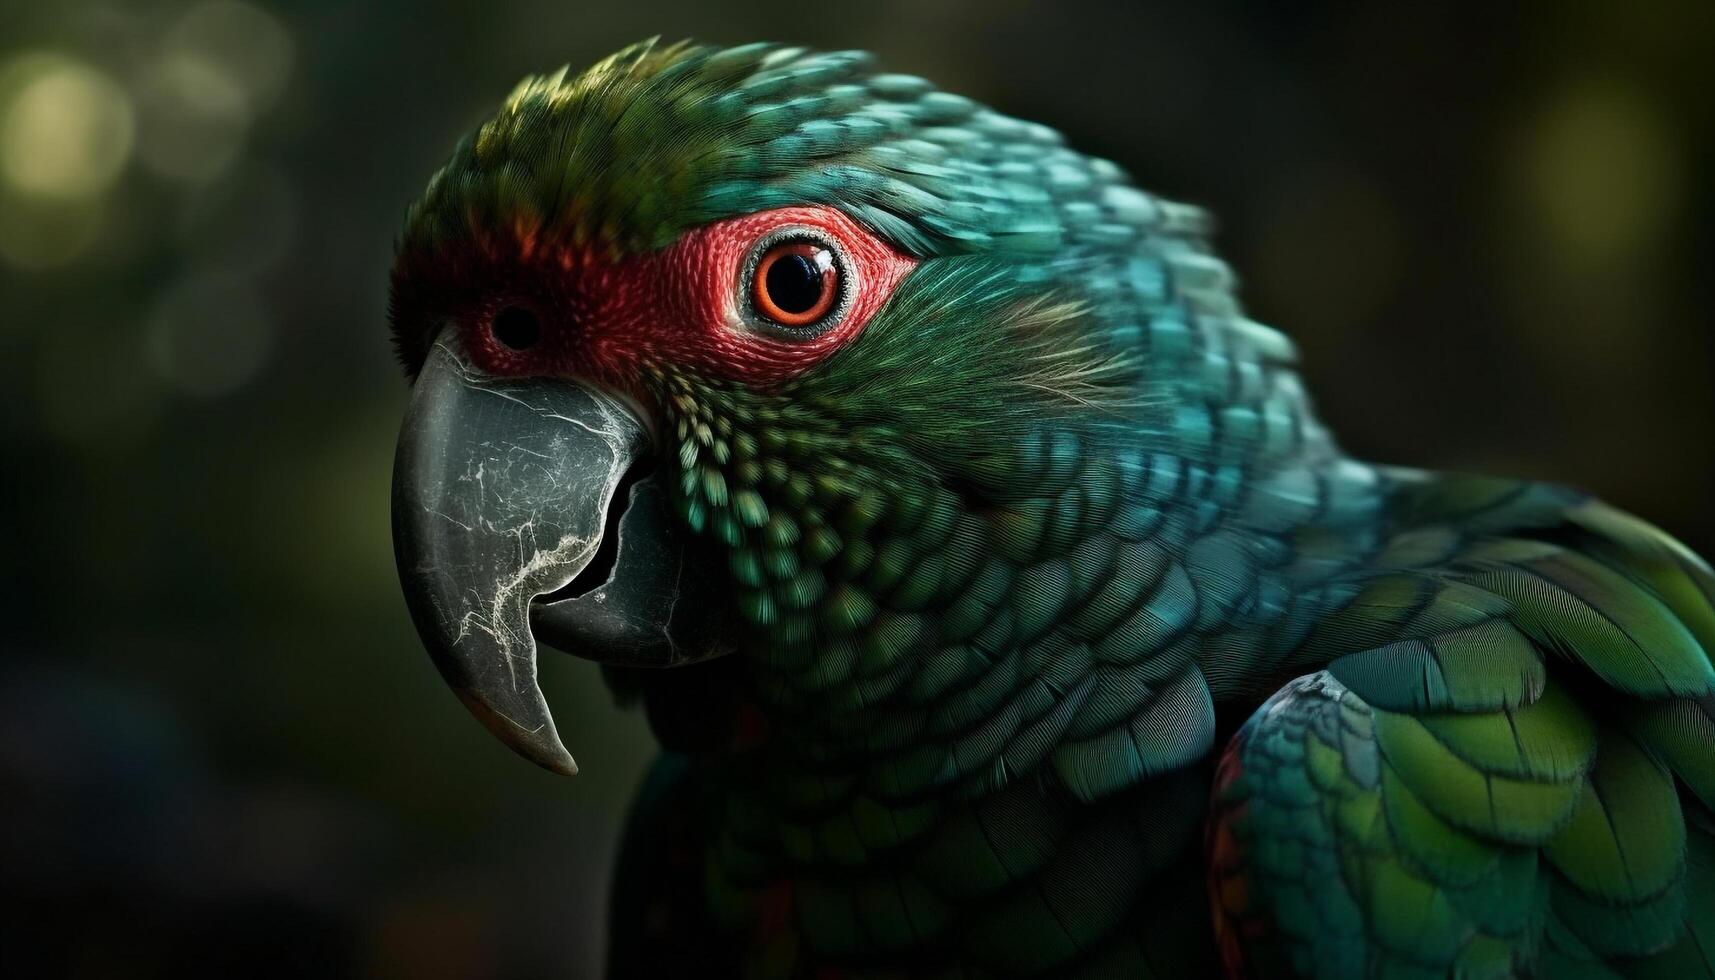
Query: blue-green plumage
{"x": 1015, "y": 569}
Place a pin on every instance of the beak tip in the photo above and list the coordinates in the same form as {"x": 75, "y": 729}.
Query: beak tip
{"x": 540, "y": 744}
{"x": 556, "y": 760}
{"x": 559, "y": 761}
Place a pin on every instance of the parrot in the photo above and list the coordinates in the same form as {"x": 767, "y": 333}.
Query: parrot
{"x": 999, "y": 602}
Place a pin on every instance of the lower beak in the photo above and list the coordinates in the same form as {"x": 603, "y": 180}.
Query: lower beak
{"x": 518, "y": 513}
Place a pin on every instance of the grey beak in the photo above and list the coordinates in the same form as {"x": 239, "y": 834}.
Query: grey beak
{"x": 504, "y": 491}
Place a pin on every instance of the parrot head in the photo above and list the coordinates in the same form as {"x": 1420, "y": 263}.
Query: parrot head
{"x": 760, "y": 351}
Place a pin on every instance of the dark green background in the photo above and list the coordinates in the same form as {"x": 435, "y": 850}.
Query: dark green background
{"x": 221, "y": 750}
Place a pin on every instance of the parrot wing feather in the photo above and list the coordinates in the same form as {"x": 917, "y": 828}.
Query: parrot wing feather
{"x": 1507, "y": 765}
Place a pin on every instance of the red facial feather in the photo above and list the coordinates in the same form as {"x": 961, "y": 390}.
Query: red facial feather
{"x": 682, "y": 305}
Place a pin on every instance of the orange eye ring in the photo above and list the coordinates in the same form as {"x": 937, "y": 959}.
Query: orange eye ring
{"x": 796, "y": 283}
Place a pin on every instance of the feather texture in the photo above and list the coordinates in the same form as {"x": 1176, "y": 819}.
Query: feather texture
{"x": 1520, "y": 771}
{"x": 1011, "y": 564}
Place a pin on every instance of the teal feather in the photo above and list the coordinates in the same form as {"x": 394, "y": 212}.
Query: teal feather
{"x": 1011, "y": 563}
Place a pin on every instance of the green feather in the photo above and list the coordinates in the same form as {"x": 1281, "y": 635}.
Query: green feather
{"x": 1006, "y": 561}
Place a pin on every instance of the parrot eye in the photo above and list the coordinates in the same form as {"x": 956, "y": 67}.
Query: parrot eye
{"x": 797, "y": 283}
{"x": 516, "y": 327}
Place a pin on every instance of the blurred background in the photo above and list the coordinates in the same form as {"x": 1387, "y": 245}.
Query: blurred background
{"x": 221, "y": 749}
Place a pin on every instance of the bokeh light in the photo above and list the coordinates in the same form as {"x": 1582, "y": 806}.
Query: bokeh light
{"x": 242, "y": 54}
{"x": 65, "y": 127}
{"x": 218, "y": 66}
{"x": 66, "y": 134}
{"x": 1602, "y": 172}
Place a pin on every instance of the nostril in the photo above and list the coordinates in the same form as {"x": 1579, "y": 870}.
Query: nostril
{"x": 516, "y": 327}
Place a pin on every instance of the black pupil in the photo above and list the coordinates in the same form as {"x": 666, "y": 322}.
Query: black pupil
{"x": 795, "y": 283}
{"x": 517, "y": 328}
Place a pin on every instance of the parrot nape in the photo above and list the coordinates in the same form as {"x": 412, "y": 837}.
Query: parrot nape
{"x": 1000, "y": 603}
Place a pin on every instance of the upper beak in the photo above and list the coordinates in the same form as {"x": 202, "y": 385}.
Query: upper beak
{"x": 504, "y": 491}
